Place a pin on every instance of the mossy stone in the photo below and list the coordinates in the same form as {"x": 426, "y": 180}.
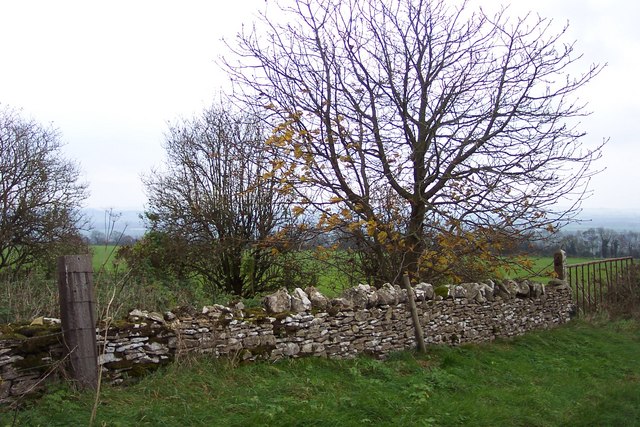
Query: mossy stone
{"x": 33, "y": 362}
{"x": 39, "y": 344}
{"x": 442, "y": 291}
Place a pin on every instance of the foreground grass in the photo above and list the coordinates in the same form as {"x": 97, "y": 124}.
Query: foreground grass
{"x": 580, "y": 374}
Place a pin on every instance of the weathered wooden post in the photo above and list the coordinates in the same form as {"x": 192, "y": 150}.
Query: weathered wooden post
{"x": 560, "y": 264}
{"x": 77, "y": 310}
{"x": 417, "y": 327}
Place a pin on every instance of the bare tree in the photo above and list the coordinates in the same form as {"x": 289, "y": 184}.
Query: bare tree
{"x": 218, "y": 199}
{"x": 408, "y": 121}
{"x": 40, "y": 194}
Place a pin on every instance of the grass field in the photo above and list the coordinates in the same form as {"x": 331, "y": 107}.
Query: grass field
{"x": 103, "y": 256}
{"x": 581, "y": 374}
{"x": 543, "y": 268}
{"x": 332, "y": 281}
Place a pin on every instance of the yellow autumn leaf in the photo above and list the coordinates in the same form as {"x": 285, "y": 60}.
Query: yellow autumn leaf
{"x": 371, "y": 227}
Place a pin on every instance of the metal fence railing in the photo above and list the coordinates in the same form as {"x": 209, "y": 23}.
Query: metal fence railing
{"x": 595, "y": 283}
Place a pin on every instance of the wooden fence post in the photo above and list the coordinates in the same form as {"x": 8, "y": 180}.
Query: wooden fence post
{"x": 77, "y": 310}
{"x": 417, "y": 327}
{"x": 560, "y": 264}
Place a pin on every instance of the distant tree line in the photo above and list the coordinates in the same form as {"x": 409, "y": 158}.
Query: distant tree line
{"x": 119, "y": 238}
{"x": 591, "y": 243}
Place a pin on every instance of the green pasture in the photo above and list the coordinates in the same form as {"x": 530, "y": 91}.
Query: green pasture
{"x": 541, "y": 270}
{"x": 103, "y": 256}
{"x": 332, "y": 280}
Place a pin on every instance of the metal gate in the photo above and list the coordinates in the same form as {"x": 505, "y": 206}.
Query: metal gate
{"x": 595, "y": 283}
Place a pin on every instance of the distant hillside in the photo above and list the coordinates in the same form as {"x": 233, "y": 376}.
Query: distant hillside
{"x": 614, "y": 219}
{"x": 128, "y": 222}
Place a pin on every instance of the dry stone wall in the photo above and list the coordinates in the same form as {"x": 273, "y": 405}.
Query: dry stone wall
{"x": 363, "y": 320}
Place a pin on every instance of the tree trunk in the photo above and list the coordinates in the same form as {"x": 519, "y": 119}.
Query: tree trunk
{"x": 414, "y": 241}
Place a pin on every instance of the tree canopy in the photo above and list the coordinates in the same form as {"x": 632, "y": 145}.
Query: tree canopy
{"x": 40, "y": 194}
{"x": 423, "y": 131}
{"x": 218, "y": 207}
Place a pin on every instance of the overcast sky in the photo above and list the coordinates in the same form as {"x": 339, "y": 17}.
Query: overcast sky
{"x": 110, "y": 75}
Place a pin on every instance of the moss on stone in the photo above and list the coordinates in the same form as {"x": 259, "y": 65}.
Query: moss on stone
{"x": 32, "y": 362}
{"x": 254, "y": 312}
{"x": 142, "y": 369}
{"x": 161, "y": 339}
{"x": 442, "y": 291}
{"x": 12, "y": 336}
{"x": 282, "y": 316}
{"x": 39, "y": 344}
{"x": 37, "y": 330}
{"x": 262, "y": 350}
{"x": 22, "y": 332}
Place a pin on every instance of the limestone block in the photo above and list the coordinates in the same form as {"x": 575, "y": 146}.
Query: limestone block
{"x": 401, "y": 293}
{"x": 278, "y": 302}
{"x": 471, "y": 290}
{"x": 503, "y": 290}
{"x": 300, "y": 302}
{"x": 9, "y": 372}
{"x": 155, "y": 348}
{"x": 387, "y": 295}
{"x": 522, "y": 289}
{"x": 487, "y": 291}
{"x": 536, "y": 290}
{"x": 358, "y": 296}
{"x": 361, "y": 315}
{"x": 557, "y": 284}
{"x": 424, "y": 291}
{"x": 107, "y": 358}
{"x": 339, "y": 304}
{"x": 252, "y": 341}
{"x": 268, "y": 340}
{"x": 290, "y": 349}
{"x": 129, "y": 347}
{"x": 458, "y": 291}
{"x": 318, "y": 300}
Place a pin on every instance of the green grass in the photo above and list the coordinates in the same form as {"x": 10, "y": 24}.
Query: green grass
{"x": 542, "y": 269}
{"x": 579, "y": 374}
{"x": 103, "y": 256}
{"x": 332, "y": 281}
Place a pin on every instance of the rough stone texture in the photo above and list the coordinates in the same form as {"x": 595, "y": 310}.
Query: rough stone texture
{"x": 387, "y": 295}
{"x": 359, "y": 296}
{"x": 318, "y": 301}
{"x": 424, "y": 291}
{"x": 522, "y": 289}
{"x": 278, "y": 302}
{"x": 300, "y": 301}
{"x": 364, "y": 321}
{"x": 559, "y": 283}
